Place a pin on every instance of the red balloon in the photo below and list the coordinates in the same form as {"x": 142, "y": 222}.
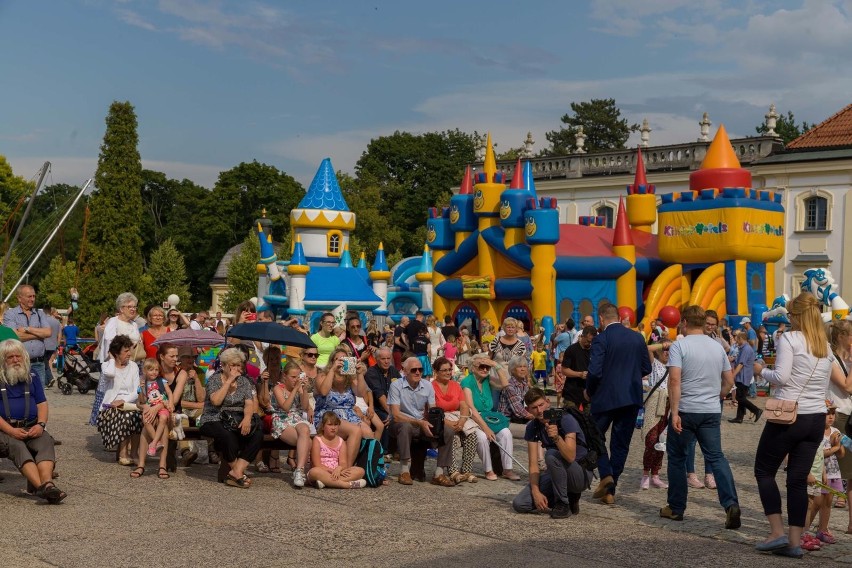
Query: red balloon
{"x": 627, "y": 312}
{"x": 670, "y": 316}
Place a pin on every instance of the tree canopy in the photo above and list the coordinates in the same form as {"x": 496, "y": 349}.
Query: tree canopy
{"x": 602, "y": 124}
{"x": 242, "y": 273}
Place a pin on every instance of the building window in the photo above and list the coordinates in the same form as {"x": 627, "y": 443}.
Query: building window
{"x": 607, "y": 213}
{"x": 812, "y": 210}
{"x": 335, "y": 243}
{"x": 816, "y": 214}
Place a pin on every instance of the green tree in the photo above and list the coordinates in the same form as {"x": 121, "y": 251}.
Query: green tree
{"x": 602, "y": 123}
{"x": 58, "y": 280}
{"x": 12, "y": 188}
{"x": 8, "y": 279}
{"x": 114, "y": 258}
{"x": 158, "y": 201}
{"x": 167, "y": 273}
{"x": 242, "y": 274}
{"x": 371, "y": 223}
{"x": 786, "y": 127}
{"x": 410, "y": 173}
{"x": 510, "y": 154}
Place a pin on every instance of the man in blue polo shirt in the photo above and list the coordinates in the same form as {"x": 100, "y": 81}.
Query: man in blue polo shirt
{"x": 31, "y": 327}
{"x": 409, "y": 399}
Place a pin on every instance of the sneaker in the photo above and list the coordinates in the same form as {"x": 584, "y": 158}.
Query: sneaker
{"x": 667, "y": 513}
{"x": 659, "y": 483}
{"x": 574, "y": 503}
{"x": 826, "y": 537}
{"x": 645, "y": 483}
{"x": 732, "y": 517}
{"x": 319, "y": 484}
{"x": 152, "y": 449}
{"x": 560, "y": 511}
{"x": 360, "y": 484}
{"x": 710, "y": 481}
{"x": 299, "y": 478}
{"x": 693, "y": 481}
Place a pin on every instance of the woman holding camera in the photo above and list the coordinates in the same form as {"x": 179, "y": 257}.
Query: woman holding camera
{"x": 335, "y": 391}
{"x": 228, "y": 416}
{"x": 493, "y": 426}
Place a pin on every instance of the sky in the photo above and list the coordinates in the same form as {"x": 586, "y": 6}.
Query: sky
{"x": 215, "y": 82}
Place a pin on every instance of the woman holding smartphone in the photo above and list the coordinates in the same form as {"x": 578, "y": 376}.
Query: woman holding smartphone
{"x": 335, "y": 391}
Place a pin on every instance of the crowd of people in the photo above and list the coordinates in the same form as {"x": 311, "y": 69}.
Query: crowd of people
{"x": 417, "y": 385}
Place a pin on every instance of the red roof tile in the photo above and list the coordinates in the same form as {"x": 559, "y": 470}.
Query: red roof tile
{"x": 833, "y": 132}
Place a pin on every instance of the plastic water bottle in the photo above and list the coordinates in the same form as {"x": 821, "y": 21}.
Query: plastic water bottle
{"x": 846, "y": 442}
{"x": 640, "y": 418}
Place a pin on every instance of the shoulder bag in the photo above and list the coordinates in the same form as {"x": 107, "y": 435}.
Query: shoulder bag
{"x": 785, "y": 411}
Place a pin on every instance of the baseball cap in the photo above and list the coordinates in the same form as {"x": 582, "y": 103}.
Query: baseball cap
{"x": 745, "y": 320}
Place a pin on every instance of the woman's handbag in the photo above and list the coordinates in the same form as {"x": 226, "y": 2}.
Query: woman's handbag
{"x": 231, "y": 420}
{"x": 469, "y": 427}
{"x": 139, "y": 353}
{"x": 780, "y": 411}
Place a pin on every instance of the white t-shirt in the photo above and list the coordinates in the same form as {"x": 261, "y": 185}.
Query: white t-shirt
{"x": 121, "y": 384}
{"x": 794, "y": 367}
{"x": 116, "y": 326}
{"x": 840, "y": 397}
{"x": 702, "y": 362}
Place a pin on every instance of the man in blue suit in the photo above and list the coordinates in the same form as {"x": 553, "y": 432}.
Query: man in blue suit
{"x": 619, "y": 360}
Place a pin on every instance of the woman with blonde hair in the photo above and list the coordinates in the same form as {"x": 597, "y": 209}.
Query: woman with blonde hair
{"x": 804, "y": 367}
{"x": 436, "y": 338}
{"x": 841, "y": 346}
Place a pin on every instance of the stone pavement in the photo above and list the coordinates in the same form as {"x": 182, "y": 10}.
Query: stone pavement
{"x": 190, "y": 520}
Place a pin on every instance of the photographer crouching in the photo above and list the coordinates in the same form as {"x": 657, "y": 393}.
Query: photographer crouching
{"x": 559, "y": 488}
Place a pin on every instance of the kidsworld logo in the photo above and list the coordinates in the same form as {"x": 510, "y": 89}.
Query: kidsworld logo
{"x": 763, "y": 229}
{"x": 699, "y": 229}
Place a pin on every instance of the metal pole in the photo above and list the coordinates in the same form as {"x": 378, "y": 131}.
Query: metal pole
{"x": 44, "y": 170}
{"x": 49, "y": 238}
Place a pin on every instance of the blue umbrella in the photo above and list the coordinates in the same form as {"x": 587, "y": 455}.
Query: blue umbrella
{"x": 270, "y": 332}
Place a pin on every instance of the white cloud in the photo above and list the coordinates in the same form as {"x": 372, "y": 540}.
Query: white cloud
{"x": 134, "y": 19}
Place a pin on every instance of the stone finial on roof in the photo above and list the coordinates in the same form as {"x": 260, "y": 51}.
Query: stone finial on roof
{"x": 527, "y": 152}
{"x": 705, "y": 128}
{"x": 645, "y": 133}
{"x": 580, "y": 137}
{"x": 771, "y": 121}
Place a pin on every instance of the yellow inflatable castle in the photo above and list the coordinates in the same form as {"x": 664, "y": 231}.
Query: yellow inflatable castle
{"x": 500, "y": 251}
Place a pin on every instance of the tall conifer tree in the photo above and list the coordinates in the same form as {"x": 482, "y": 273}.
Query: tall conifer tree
{"x": 113, "y": 262}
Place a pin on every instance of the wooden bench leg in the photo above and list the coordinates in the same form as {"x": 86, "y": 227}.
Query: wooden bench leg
{"x": 171, "y": 461}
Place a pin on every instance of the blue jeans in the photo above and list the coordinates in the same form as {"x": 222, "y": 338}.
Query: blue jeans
{"x": 690, "y": 460}
{"x": 38, "y": 369}
{"x": 704, "y": 427}
{"x": 623, "y": 422}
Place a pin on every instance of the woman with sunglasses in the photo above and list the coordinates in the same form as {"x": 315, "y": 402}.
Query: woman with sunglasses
{"x": 458, "y": 463}
{"x": 336, "y": 392}
{"x": 356, "y": 341}
{"x": 325, "y": 340}
{"x": 177, "y": 320}
{"x": 493, "y": 426}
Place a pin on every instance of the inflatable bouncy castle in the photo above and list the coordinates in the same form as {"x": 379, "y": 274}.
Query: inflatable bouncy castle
{"x": 500, "y": 251}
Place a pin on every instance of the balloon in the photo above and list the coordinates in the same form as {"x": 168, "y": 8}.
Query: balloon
{"x": 627, "y": 312}
{"x": 670, "y": 316}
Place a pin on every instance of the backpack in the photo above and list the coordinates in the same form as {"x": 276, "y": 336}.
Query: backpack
{"x": 594, "y": 445}
{"x": 371, "y": 457}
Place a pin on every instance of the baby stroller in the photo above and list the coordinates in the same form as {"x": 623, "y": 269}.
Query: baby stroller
{"x": 79, "y": 369}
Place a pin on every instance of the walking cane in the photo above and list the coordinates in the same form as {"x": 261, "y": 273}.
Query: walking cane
{"x": 511, "y": 456}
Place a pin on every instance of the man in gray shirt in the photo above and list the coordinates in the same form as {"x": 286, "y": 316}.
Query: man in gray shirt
{"x": 31, "y": 326}
{"x": 699, "y": 378}
{"x": 410, "y": 399}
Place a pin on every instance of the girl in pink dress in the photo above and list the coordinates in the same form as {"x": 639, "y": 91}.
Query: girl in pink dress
{"x": 332, "y": 469}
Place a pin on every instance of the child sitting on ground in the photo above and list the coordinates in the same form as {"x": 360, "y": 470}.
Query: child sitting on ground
{"x": 154, "y": 392}
{"x": 330, "y": 466}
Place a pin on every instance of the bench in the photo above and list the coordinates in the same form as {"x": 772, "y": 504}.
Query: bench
{"x": 193, "y": 433}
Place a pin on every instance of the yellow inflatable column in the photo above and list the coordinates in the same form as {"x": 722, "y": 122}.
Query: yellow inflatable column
{"x": 486, "y": 206}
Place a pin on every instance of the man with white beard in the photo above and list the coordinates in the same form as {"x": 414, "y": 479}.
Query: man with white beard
{"x": 23, "y": 419}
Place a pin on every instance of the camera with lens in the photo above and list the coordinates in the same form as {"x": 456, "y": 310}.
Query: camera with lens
{"x": 554, "y": 415}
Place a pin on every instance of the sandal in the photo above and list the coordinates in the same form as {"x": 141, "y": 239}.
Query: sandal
{"x": 291, "y": 463}
{"x": 50, "y": 493}
{"x": 163, "y": 473}
{"x": 125, "y": 461}
{"x": 138, "y": 472}
{"x": 261, "y": 467}
{"x": 471, "y": 478}
{"x": 458, "y": 477}
{"x": 275, "y": 468}
{"x": 241, "y": 482}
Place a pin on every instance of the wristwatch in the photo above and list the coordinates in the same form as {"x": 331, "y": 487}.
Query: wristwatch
{"x": 42, "y": 424}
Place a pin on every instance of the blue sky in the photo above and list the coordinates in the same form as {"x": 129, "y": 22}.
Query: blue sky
{"x": 287, "y": 83}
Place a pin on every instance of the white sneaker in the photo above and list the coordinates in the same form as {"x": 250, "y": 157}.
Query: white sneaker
{"x": 360, "y": 484}
{"x": 320, "y": 484}
{"x": 299, "y": 478}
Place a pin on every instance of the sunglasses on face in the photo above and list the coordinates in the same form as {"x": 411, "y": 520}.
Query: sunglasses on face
{"x": 310, "y": 354}
{"x": 418, "y": 370}
{"x": 484, "y": 368}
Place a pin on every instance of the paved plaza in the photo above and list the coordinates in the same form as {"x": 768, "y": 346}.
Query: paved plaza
{"x": 190, "y": 520}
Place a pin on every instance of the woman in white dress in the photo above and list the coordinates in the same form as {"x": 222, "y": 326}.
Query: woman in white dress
{"x": 436, "y": 338}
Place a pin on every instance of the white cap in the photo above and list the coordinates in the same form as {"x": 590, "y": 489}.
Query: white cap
{"x": 745, "y": 320}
